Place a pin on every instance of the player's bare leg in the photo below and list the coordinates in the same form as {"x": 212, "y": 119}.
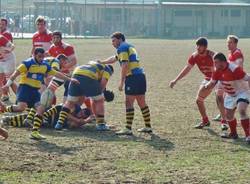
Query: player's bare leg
{"x": 201, "y": 96}
{"x": 99, "y": 110}
{"x": 220, "y": 105}
{"x": 3, "y": 133}
{"x": 2, "y": 83}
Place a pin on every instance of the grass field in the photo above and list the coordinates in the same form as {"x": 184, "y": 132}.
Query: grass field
{"x": 176, "y": 153}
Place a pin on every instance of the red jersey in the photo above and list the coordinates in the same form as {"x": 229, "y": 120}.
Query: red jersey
{"x": 204, "y": 63}
{"x": 43, "y": 40}
{"x": 236, "y": 57}
{"x": 232, "y": 79}
{"x": 3, "y": 43}
{"x": 7, "y": 35}
{"x": 63, "y": 48}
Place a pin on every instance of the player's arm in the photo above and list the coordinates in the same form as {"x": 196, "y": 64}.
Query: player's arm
{"x": 124, "y": 71}
{"x": 8, "y": 47}
{"x": 63, "y": 77}
{"x": 109, "y": 60}
{"x": 239, "y": 62}
{"x": 182, "y": 74}
{"x": 11, "y": 80}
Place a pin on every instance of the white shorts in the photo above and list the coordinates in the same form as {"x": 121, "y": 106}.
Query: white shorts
{"x": 230, "y": 102}
{"x": 204, "y": 82}
{"x": 8, "y": 64}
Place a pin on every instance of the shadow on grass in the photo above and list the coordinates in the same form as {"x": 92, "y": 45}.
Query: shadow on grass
{"x": 240, "y": 141}
{"x": 89, "y": 131}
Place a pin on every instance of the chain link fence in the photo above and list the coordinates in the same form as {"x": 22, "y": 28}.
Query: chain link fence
{"x": 139, "y": 18}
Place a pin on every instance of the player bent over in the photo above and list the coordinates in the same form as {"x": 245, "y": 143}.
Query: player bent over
{"x": 93, "y": 79}
{"x": 32, "y": 73}
{"x": 236, "y": 86}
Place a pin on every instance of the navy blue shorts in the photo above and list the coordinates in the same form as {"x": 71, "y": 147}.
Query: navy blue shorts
{"x": 28, "y": 95}
{"x": 135, "y": 85}
{"x": 88, "y": 87}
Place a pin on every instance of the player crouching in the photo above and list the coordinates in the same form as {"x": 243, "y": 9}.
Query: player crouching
{"x": 93, "y": 79}
{"x": 236, "y": 87}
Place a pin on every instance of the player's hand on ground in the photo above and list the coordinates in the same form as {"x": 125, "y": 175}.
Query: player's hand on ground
{"x": 74, "y": 81}
{"x": 172, "y": 83}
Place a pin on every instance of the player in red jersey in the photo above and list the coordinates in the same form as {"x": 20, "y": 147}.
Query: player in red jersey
{"x": 235, "y": 83}
{"x": 235, "y": 56}
{"x": 203, "y": 58}
{"x": 43, "y": 37}
{"x": 60, "y": 47}
{"x": 4, "y": 31}
{"x": 8, "y": 60}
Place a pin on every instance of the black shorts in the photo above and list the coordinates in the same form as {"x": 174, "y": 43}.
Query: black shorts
{"x": 88, "y": 87}
{"x": 135, "y": 85}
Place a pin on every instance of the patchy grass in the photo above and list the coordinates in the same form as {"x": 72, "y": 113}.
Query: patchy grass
{"x": 176, "y": 153}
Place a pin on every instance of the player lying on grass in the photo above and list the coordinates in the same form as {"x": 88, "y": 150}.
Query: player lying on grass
{"x": 203, "y": 58}
{"x": 134, "y": 80}
{"x": 93, "y": 78}
{"x": 32, "y": 73}
{"x": 235, "y": 83}
{"x": 76, "y": 118}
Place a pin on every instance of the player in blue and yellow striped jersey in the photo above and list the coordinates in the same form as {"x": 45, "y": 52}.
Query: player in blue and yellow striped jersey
{"x": 32, "y": 73}
{"x": 93, "y": 78}
{"x": 133, "y": 77}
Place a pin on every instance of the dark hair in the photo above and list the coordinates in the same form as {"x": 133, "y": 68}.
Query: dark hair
{"x": 57, "y": 33}
{"x": 220, "y": 56}
{"x": 40, "y": 19}
{"x": 4, "y": 20}
{"x": 118, "y": 35}
{"x": 61, "y": 56}
{"x": 39, "y": 50}
{"x": 202, "y": 41}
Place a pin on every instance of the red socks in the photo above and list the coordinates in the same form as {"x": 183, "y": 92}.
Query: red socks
{"x": 246, "y": 126}
{"x": 205, "y": 120}
{"x": 233, "y": 124}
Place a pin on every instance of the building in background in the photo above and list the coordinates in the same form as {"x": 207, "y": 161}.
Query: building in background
{"x": 143, "y": 18}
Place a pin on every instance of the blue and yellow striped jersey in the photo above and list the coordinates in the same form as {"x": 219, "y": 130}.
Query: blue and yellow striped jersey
{"x": 94, "y": 70}
{"x": 127, "y": 53}
{"x": 33, "y": 73}
{"x": 53, "y": 62}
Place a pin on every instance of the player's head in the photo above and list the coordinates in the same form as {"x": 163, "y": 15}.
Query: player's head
{"x": 232, "y": 42}
{"x": 62, "y": 57}
{"x": 39, "y": 54}
{"x": 220, "y": 61}
{"x": 117, "y": 39}
{"x": 201, "y": 45}
{"x": 57, "y": 37}
{"x": 40, "y": 24}
{"x": 3, "y": 24}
